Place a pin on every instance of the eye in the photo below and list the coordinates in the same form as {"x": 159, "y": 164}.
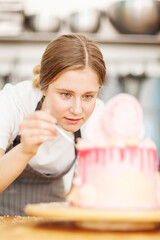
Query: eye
{"x": 88, "y": 97}
{"x": 65, "y": 95}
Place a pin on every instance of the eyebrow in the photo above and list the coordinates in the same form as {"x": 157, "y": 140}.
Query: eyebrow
{"x": 70, "y": 91}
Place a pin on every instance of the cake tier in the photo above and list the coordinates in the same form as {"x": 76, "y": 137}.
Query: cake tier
{"x": 117, "y": 178}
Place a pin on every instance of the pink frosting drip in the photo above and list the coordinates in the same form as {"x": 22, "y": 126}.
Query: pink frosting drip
{"x": 94, "y": 160}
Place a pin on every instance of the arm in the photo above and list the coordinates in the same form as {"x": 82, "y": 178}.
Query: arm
{"x": 11, "y": 165}
{"x": 35, "y": 129}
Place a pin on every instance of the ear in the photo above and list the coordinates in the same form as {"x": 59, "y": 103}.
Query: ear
{"x": 44, "y": 91}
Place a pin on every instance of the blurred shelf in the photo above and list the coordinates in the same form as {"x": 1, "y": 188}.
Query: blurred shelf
{"x": 35, "y": 37}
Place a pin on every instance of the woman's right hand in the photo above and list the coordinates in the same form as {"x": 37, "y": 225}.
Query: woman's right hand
{"x": 36, "y": 129}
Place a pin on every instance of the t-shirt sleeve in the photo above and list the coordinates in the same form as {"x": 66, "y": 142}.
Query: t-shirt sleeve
{"x": 7, "y": 115}
{"x": 94, "y": 116}
{"x": 16, "y": 101}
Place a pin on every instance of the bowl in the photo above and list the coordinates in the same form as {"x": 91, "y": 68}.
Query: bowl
{"x": 135, "y": 16}
{"x": 43, "y": 22}
{"x": 85, "y": 21}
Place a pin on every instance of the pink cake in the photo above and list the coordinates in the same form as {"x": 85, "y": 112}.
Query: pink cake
{"x": 118, "y": 170}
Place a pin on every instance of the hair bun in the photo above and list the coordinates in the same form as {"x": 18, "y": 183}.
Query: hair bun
{"x": 36, "y": 72}
{"x": 36, "y": 69}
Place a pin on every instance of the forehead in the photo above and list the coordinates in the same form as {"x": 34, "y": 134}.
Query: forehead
{"x": 82, "y": 78}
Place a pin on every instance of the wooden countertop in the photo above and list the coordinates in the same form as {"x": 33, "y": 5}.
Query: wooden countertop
{"x": 34, "y": 228}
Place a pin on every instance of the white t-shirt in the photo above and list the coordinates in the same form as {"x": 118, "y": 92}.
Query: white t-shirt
{"x": 17, "y": 101}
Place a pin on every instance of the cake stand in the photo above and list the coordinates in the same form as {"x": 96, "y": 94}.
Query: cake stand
{"x": 97, "y": 219}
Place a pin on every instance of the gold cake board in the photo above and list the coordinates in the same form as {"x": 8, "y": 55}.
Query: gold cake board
{"x": 100, "y": 219}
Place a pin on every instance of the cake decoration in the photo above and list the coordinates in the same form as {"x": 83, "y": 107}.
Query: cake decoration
{"x": 117, "y": 163}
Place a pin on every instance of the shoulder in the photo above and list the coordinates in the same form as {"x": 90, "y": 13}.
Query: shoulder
{"x": 97, "y": 110}
{"x": 16, "y": 101}
{"x": 99, "y": 105}
{"x": 22, "y": 95}
{"x": 20, "y": 89}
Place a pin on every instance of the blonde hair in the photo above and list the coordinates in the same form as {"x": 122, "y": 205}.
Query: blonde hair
{"x": 68, "y": 52}
{"x": 36, "y": 72}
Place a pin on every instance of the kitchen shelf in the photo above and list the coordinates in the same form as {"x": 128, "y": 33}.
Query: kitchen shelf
{"x": 35, "y": 37}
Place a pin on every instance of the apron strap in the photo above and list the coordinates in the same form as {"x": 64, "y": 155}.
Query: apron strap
{"x": 39, "y": 104}
{"x": 76, "y": 135}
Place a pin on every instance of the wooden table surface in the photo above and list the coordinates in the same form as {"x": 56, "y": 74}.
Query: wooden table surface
{"x": 34, "y": 228}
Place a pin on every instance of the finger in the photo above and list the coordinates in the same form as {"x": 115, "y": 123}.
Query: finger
{"x": 38, "y": 124}
{"x": 41, "y": 115}
{"x": 38, "y": 140}
{"x": 37, "y": 132}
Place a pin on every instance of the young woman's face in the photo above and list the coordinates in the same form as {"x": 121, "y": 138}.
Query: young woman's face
{"x": 72, "y": 98}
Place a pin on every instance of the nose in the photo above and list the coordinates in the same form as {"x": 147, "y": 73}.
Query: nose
{"x": 76, "y": 107}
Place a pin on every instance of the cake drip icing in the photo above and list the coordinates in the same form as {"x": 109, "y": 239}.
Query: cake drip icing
{"x": 115, "y": 160}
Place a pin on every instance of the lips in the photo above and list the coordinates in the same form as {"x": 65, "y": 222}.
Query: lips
{"x": 72, "y": 120}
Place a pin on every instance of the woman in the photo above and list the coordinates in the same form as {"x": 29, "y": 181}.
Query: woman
{"x": 34, "y": 156}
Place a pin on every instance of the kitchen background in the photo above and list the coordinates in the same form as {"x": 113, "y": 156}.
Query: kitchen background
{"x": 127, "y": 32}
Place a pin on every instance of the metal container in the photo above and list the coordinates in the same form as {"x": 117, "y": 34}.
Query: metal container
{"x": 43, "y": 22}
{"x": 86, "y": 21}
{"x": 135, "y": 16}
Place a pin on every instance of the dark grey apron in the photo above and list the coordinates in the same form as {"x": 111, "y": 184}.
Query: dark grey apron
{"x": 33, "y": 187}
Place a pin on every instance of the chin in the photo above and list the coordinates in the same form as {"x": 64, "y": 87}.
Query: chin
{"x": 71, "y": 128}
